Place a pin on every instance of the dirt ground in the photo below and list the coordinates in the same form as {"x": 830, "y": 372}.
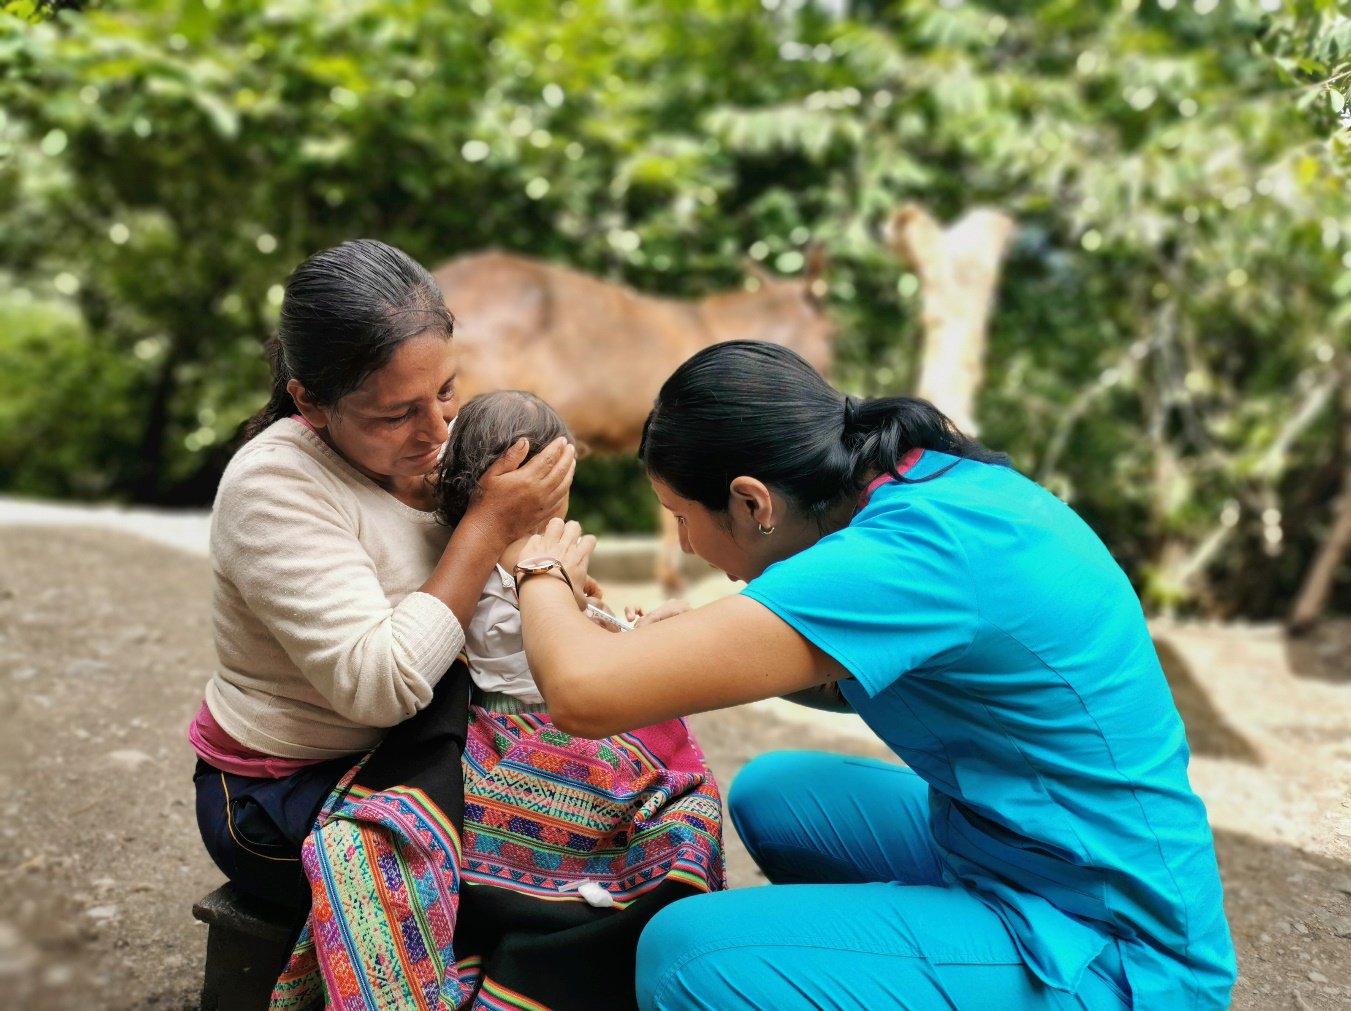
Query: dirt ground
{"x": 105, "y": 646}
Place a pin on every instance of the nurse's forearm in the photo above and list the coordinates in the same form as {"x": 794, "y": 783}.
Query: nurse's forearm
{"x": 598, "y": 683}
{"x": 567, "y": 655}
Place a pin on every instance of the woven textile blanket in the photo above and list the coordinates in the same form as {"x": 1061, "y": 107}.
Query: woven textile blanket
{"x": 545, "y": 811}
{"x": 482, "y": 861}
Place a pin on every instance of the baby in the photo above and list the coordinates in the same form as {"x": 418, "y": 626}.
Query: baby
{"x": 634, "y": 818}
{"x": 485, "y": 428}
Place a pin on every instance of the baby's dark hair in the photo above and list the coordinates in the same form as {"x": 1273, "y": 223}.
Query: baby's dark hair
{"x": 486, "y": 427}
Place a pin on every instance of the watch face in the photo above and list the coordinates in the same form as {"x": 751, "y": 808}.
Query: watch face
{"x": 537, "y": 564}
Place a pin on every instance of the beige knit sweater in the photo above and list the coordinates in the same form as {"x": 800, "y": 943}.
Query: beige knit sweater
{"x": 322, "y": 634}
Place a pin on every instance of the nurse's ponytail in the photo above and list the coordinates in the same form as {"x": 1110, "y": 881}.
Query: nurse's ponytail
{"x": 758, "y": 409}
{"x": 881, "y": 430}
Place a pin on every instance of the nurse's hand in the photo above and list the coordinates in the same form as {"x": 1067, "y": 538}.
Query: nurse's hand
{"x": 567, "y": 543}
{"x": 595, "y": 597}
{"x": 639, "y": 617}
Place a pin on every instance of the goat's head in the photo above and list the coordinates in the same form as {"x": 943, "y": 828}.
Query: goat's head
{"x": 791, "y": 310}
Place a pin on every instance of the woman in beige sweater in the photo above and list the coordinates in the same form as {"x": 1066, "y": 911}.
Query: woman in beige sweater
{"x": 339, "y": 601}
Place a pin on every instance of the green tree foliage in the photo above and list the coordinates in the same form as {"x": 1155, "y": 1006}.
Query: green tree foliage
{"x": 1172, "y": 321}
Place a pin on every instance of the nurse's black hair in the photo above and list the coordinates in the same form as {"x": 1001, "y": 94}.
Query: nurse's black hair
{"x": 486, "y": 427}
{"x": 344, "y": 313}
{"x": 758, "y": 409}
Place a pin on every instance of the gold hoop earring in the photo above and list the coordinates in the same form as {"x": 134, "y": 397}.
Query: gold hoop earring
{"x": 765, "y": 530}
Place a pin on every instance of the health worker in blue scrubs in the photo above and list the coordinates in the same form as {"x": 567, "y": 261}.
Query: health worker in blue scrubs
{"x": 1040, "y": 847}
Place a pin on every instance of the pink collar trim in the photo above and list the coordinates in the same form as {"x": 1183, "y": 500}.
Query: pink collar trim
{"x": 909, "y": 460}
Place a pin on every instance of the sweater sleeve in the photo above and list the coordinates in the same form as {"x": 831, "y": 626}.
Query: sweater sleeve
{"x": 290, "y": 546}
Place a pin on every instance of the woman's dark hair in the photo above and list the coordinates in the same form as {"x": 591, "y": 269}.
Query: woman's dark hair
{"x": 758, "y": 409}
{"x": 345, "y": 312}
{"x": 486, "y": 427}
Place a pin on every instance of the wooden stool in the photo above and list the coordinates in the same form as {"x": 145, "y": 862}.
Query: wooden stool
{"x": 247, "y": 945}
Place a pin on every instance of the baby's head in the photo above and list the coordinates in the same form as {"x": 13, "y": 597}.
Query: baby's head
{"x": 486, "y": 427}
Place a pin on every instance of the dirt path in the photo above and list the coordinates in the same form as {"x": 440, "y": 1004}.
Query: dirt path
{"x": 105, "y": 646}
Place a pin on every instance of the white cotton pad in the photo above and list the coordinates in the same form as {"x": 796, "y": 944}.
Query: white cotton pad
{"x": 595, "y": 895}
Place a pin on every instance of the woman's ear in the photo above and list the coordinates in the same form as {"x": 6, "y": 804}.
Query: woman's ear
{"x": 317, "y": 416}
{"x": 750, "y": 502}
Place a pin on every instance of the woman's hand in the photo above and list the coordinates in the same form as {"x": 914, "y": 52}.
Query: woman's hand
{"x": 517, "y": 499}
{"x": 567, "y": 543}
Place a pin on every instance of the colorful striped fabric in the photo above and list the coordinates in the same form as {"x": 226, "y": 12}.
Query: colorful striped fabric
{"x": 425, "y": 898}
{"x": 385, "y": 887}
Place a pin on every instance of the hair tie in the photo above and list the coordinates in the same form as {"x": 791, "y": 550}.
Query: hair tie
{"x": 852, "y": 410}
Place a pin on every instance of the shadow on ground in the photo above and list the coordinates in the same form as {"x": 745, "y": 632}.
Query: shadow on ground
{"x": 1208, "y": 733}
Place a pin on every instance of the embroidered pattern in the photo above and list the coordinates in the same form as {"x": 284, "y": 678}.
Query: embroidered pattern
{"x": 543, "y": 810}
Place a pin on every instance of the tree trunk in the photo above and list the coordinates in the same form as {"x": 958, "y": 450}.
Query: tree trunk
{"x": 958, "y": 269}
{"x": 1313, "y": 595}
{"x": 147, "y": 473}
{"x": 1322, "y": 575}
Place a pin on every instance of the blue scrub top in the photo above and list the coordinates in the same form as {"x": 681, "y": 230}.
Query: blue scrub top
{"x": 999, "y": 650}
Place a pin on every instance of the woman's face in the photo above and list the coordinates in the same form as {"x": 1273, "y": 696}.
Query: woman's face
{"x": 733, "y": 540}
{"x": 393, "y": 426}
{"x": 712, "y": 536}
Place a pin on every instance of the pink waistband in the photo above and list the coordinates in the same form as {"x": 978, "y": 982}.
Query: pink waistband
{"x": 221, "y": 751}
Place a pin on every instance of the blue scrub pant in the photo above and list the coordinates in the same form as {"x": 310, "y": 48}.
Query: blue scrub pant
{"x": 856, "y": 916}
